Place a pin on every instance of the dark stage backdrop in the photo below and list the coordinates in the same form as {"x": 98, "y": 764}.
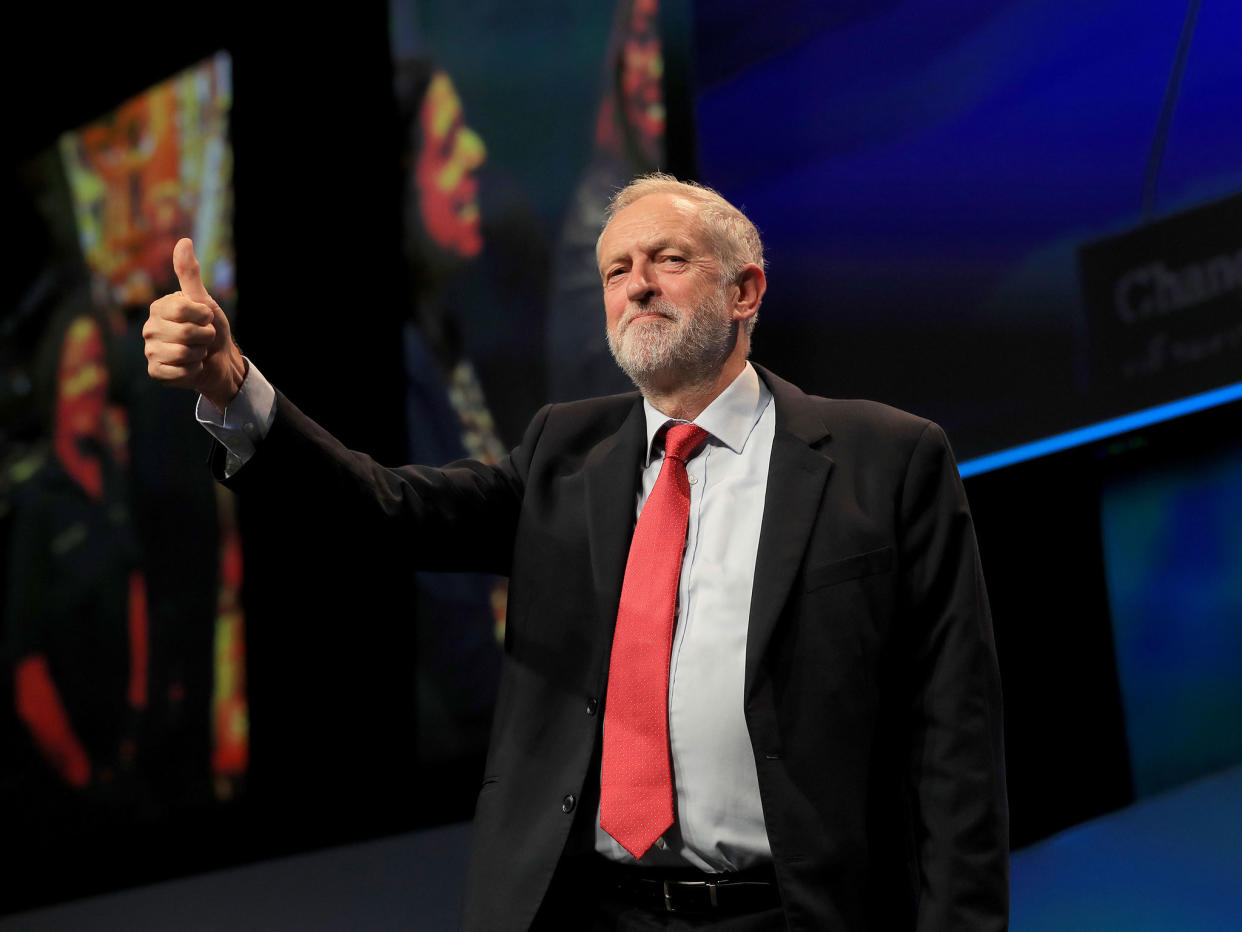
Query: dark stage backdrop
{"x": 508, "y": 154}
{"x": 122, "y": 627}
{"x": 1173, "y": 558}
{"x": 417, "y": 185}
{"x": 1115, "y": 576}
{"x": 418, "y": 190}
{"x": 949, "y": 194}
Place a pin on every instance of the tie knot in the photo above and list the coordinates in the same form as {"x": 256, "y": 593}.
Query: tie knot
{"x": 682, "y": 439}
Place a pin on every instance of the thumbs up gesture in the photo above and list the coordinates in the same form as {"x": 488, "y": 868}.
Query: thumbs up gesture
{"x": 188, "y": 339}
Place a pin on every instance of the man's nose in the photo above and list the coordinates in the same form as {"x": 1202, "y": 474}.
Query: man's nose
{"x": 641, "y": 285}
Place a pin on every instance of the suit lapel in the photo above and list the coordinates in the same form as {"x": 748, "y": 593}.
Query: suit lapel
{"x": 796, "y": 477}
{"x": 611, "y": 474}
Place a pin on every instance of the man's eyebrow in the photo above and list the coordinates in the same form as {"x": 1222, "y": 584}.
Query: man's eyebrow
{"x": 670, "y": 242}
{"x": 653, "y": 245}
{"x": 607, "y": 261}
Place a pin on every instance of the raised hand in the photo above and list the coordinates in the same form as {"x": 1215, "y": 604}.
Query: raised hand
{"x": 188, "y": 340}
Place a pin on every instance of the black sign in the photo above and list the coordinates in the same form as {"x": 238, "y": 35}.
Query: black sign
{"x": 1164, "y": 307}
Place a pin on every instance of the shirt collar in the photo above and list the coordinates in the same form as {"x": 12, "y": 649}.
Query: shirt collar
{"x": 729, "y": 418}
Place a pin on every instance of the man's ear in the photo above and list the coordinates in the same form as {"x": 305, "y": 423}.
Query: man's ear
{"x": 750, "y": 286}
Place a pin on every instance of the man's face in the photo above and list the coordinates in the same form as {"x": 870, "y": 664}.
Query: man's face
{"x": 663, "y": 298}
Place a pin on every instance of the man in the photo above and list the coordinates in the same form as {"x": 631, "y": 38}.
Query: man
{"x": 832, "y": 709}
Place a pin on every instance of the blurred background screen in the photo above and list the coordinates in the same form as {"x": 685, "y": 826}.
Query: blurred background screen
{"x": 1020, "y": 218}
{"x": 949, "y": 195}
{"x": 123, "y": 630}
{"x": 1172, "y": 550}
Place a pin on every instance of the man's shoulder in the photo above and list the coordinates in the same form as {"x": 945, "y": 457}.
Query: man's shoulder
{"x": 865, "y": 438}
{"x": 843, "y": 417}
{"x": 570, "y": 425}
{"x": 591, "y": 409}
{"x": 866, "y": 413}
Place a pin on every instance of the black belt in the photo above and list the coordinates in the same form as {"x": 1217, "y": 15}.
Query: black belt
{"x": 677, "y": 890}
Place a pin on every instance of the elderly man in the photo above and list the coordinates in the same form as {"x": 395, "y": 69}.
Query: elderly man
{"x": 771, "y": 701}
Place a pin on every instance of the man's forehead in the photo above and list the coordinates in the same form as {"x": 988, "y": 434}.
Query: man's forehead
{"x": 656, "y": 219}
{"x": 658, "y": 206}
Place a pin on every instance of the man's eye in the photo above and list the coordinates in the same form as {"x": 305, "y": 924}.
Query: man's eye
{"x": 674, "y": 258}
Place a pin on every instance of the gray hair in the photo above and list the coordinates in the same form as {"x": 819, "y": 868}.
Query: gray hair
{"x": 733, "y": 238}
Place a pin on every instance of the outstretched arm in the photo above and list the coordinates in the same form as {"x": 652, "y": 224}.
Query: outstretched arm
{"x": 460, "y": 517}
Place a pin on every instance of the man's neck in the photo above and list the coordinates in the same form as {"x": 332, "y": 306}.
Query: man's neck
{"x": 684, "y": 401}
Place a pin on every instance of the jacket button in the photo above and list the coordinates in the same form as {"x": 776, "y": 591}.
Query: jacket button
{"x": 592, "y": 706}
{"x": 568, "y": 803}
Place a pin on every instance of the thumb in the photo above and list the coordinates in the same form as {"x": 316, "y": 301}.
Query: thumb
{"x": 188, "y": 274}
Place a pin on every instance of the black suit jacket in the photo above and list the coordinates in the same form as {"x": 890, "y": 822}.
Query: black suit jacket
{"x": 871, "y": 693}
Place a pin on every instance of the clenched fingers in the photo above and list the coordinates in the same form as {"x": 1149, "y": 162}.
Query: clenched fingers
{"x": 178, "y": 336}
{"x": 186, "y": 375}
{"x": 171, "y": 331}
{"x": 181, "y": 308}
{"x": 176, "y": 319}
{"x": 176, "y": 354}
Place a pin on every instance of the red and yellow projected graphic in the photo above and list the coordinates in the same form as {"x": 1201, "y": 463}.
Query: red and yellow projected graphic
{"x": 88, "y": 556}
{"x": 447, "y": 188}
{"x": 230, "y": 721}
{"x": 642, "y": 69}
{"x": 156, "y": 169}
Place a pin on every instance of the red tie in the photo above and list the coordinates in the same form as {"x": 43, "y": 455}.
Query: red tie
{"x": 636, "y": 778}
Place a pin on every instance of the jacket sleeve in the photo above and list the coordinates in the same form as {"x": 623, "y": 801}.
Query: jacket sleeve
{"x": 462, "y": 516}
{"x": 956, "y": 748}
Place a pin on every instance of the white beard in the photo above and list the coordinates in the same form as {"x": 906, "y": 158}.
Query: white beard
{"x": 693, "y": 343}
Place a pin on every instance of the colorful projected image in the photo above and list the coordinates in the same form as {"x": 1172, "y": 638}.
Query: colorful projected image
{"x": 156, "y": 169}
{"x": 502, "y": 202}
{"x": 122, "y": 620}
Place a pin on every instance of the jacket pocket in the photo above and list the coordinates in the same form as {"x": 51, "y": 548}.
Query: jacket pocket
{"x": 855, "y": 567}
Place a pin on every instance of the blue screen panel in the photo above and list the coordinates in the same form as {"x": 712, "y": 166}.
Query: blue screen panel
{"x": 1173, "y": 555}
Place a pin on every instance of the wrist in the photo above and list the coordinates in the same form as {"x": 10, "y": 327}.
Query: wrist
{"x": 232, "y": 375}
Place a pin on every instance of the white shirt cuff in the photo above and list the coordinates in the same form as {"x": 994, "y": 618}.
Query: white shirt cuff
{"x": 244, "y": 423}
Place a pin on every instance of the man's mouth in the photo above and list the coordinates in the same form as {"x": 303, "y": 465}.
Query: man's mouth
{"x": 648, "y": 314}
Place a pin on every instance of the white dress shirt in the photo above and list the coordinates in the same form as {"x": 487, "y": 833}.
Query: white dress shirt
{"x": 719, "y": 817}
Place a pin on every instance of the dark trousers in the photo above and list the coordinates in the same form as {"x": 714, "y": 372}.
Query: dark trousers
{"x": 614, "y": 917}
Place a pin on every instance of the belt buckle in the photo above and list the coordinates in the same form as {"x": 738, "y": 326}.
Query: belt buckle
{"x": 668, "y": 899}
